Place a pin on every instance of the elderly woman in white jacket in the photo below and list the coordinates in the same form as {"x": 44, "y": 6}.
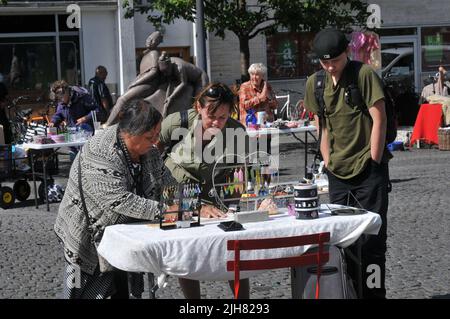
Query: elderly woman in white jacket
{"x": 121, "y": 175}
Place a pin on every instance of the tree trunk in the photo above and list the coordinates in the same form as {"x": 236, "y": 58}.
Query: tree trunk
{"x": 244, "y": 57}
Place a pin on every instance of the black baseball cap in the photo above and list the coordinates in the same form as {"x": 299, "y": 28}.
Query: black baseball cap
{"x": 329, "y": 43}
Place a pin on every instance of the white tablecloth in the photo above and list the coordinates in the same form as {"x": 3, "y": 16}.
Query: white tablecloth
{"x": 201, "y": 252}
{"x": 35, "y": 146}
{"x": 275, "y": 131}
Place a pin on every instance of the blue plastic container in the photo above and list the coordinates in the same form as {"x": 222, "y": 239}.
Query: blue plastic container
{"x": 395, "y": 146}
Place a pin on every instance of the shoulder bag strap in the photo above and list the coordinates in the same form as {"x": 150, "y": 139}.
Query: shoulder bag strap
{"x": 319, "y": 90}
{"x": 184, "y": 119}
{"x": 83, "y": 202}
{"x": 356, "y": 98}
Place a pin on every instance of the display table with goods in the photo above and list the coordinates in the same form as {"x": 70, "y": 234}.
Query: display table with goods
{"x": 292, "y": 128}
{"x": 200, "y": 253}
{"x": 257, "y": 207}
{"x": 45, "y": 149}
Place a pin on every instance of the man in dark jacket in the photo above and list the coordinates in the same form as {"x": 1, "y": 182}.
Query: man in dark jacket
{"x": 75, "y": 105}
{"x": 100, "y": 92}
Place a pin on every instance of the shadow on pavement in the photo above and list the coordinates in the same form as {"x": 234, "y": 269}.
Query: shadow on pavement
{"x": 399, "y": 180}
{"x": 447, "y": 296}
{"x": 30, "y": 203}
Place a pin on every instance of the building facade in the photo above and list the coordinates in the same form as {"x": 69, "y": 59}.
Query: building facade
{"x": 38, "y": 44}
{"x": 422, "y": 27}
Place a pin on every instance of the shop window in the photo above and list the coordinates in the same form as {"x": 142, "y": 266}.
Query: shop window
{"x": 27, "y": 23}
{"x": 289, "y": 55}
{"x": 28, "y": 67}
{"x": 62, "y": 23}
{"x": 386, "y": 32}
{"x": 404, "y": 66}
{"x": 435, "y": 48}
{"x": 70, "y": 59}
{"x": 28, "y": 63}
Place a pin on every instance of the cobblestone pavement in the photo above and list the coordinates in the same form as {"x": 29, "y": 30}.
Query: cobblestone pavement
{"x": 418, "y": 244}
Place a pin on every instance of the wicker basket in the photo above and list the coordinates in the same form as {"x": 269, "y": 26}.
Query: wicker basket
{"x": 444, "y": 139}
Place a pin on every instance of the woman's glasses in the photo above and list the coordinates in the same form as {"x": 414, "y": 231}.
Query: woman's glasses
{"x": 219, "y": 92}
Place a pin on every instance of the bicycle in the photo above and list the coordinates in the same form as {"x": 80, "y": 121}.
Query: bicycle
{"x": 19, "y": 121}
{"x": 21, "y": 189}
{"x": 43, "y": 117}
{"x": 23, "y": 127}
{"x": 289, "y": 111}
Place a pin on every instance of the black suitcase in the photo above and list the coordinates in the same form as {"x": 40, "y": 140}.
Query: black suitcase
{"x": 334, "y": 280}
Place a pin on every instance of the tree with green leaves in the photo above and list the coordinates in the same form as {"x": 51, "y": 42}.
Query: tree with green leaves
{"x": 248, "y": 18}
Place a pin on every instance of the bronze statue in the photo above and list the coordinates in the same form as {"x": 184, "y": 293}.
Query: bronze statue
{"x": 149, "y": 62}
{"x": 146, "y": 83}
{"x": 169, "y": 84}
{"x": 187, "y": 81}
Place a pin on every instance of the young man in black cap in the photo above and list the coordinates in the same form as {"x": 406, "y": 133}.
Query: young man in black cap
{"x": 353, "y": 143}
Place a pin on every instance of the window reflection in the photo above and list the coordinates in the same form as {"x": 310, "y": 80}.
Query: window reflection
{"x": 289, "y": 55}
{"x": 28, "y": 63}
{"x": 70, "y": 63}
{"x": 28, "y": 57}
{"x": 435, "y": 48}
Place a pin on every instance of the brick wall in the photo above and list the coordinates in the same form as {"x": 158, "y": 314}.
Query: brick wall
{"x": 225, "y": 58}
{"x": 413, "y": 12}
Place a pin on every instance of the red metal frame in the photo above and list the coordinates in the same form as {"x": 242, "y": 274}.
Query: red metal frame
{"x": 316, "y": 258}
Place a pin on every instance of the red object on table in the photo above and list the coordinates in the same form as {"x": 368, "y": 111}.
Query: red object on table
{"x": 428, "y": 121}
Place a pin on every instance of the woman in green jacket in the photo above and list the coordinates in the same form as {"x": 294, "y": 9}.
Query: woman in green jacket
{"x": 211, "y": 139}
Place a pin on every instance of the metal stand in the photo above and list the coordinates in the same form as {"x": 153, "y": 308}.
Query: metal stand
{"x": 151, "y": 285}
{"x": 305, "y": 143}
{"x": 34, "y": 181}
{"x": 247, "y": 162}
{"x": 44, "y": 173}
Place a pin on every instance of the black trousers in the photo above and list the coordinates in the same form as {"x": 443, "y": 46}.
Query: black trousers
{"x": 368, "y": 190}
{"x": 127, "y": 285}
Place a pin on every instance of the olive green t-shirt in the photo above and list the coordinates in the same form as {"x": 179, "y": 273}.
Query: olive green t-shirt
{"x": 349, "y": 128}
{"x": 190, "y": 161}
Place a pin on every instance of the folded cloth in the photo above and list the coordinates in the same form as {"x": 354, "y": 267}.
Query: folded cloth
{"x": 427, "y": 123}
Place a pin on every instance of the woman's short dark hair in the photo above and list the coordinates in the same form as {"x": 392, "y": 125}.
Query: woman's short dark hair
{"x": 58, "y": 89}
{"x": 138, "y": 117}
{"x": 216, "y": 94}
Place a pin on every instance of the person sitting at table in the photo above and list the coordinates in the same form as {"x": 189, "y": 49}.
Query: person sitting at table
{"x": 190, "y": 160}
{"x": 121, "y": 177}
{"x": 439, "y": 86}
{"x": 256, "y": 95}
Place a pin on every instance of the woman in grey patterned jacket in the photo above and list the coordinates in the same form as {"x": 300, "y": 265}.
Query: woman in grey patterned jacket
{"x": 121, "y": 175}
